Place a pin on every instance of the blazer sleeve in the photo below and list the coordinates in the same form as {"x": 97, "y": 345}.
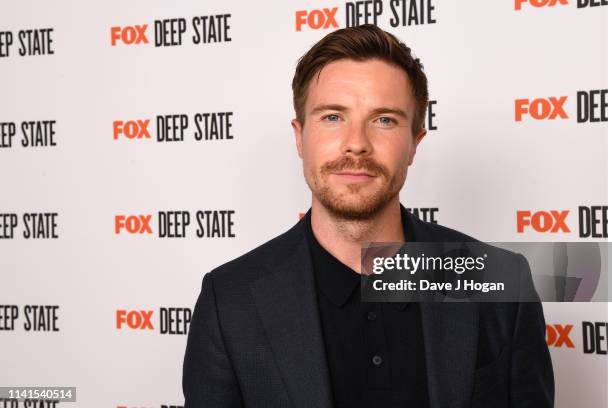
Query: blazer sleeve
{"x": 209, "y": 380}
{"x": 532, "y": 379}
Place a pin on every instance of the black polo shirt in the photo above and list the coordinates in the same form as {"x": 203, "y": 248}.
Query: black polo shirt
{"x": 375, "y": 351}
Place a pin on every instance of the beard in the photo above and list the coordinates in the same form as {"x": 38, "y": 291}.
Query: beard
{"x": 356, "y": 201}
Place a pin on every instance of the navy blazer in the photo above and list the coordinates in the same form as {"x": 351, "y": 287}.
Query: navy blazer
{"x": 255, "y": 338}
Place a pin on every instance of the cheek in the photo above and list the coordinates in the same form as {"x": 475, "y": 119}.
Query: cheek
{"x": 397, "y": 155}
{"x": 318, "y": 150}
{"x": 311, "y": 160}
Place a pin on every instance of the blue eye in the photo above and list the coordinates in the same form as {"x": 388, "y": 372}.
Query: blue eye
{"x": 332, "y": 118}
{"x": 386, "y": 121}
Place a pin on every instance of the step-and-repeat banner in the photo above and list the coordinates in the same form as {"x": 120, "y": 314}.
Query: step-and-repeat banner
{"x": 144, "y": 143}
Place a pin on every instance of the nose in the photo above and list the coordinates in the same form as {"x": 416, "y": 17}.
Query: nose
{"x": 356, "y": 140}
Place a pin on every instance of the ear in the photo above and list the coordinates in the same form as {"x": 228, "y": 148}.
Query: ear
{"x": 417, "y": 139}
{"x": 297, "y": 132}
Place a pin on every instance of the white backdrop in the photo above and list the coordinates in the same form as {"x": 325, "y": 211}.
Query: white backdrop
{"x": 478, "y": 166}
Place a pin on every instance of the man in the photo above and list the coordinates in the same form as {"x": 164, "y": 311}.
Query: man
{"x": 283, "y": 325}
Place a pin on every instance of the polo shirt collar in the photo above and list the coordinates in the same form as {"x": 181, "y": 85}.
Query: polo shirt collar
{"x": 336, "y": 280}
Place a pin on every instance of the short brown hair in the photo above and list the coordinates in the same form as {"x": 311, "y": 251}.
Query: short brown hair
{"x": 360, "y": 43}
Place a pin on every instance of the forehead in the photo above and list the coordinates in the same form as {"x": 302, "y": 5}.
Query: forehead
{"x": 371, "y": 83}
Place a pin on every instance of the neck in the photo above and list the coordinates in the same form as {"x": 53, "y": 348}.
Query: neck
{"x": 344, "y": 238}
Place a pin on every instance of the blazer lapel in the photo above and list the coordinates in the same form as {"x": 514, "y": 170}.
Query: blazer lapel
{"x": 450, "y": 334}
{"x": 286, "y": 302}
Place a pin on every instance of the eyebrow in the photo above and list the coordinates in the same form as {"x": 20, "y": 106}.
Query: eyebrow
{"x": 326, "y": 107}
{"x": 341, "y": 108}
{"x": 396, "y": 111}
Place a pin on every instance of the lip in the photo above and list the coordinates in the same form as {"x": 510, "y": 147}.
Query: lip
{"x": 354, "y": 177}
{"x": 354, "y": 173}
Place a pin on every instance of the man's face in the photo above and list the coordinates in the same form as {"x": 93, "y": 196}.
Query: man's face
{"x": 356, "y": 140}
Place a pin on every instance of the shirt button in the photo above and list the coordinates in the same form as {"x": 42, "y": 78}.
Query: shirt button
{"x": 371, "y": 316}
{"x": 377, "y": 360}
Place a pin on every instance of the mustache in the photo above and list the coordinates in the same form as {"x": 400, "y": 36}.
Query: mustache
{"x": 348, "y": 163}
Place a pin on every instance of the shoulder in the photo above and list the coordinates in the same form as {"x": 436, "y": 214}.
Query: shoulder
{"x": 447, "y": 233}
{"x": 260, "y": 260}
{"x": 429, "y": 231}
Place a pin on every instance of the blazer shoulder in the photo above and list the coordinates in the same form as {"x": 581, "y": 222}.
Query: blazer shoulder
{"x": 441, "y": 233}
{"x": 259, "y": 261}
{"x": 437, "y": 232}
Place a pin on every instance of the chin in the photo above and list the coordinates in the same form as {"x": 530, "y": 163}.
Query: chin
{"x": 354, "y": 208}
